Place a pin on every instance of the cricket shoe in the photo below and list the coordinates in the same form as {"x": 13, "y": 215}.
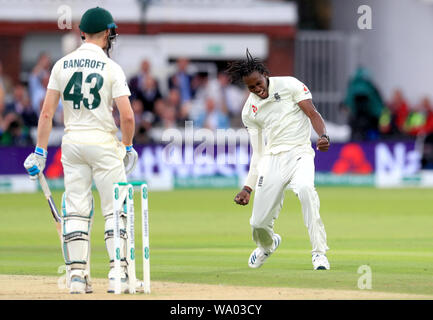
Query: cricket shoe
{"x": 320, "y": 262}
{"x": 259, "y": 256}
{"x": 79, "y": 283}
{"x": 124, "y": 283}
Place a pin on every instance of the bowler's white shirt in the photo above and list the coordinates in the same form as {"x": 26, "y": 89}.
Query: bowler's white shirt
{"x": 279, "y": 117}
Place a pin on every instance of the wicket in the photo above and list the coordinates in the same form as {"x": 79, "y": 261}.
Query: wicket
{"x": 123, "y": 203}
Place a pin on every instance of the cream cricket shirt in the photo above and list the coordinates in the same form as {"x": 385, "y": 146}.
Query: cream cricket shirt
{"x": 278, "y": 119}
{"x": 88, "y": 81}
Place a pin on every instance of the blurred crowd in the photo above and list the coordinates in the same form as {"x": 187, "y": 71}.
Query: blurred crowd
{"x": 211, "y": 102}
{"x": 372, "y": 118}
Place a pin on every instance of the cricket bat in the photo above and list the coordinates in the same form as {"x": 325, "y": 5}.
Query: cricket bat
{"x": 51, "y": 203}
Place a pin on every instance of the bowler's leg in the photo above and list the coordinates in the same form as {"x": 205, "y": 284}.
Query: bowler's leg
{"x": 268, "y": 201}
{"x": 302, "y": 184}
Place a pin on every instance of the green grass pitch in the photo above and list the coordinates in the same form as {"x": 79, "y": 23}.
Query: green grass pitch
{"x": 202, "y": 236}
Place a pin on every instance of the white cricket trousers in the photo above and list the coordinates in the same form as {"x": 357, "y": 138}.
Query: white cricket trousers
{"x": 83, "y": 164}
{"x": 294, "y": 170}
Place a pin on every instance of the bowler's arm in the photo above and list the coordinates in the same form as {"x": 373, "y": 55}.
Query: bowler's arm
{"x": 317, "y": 122}
{"x": 257, "y": 145}
{"x": 45, "y": 122}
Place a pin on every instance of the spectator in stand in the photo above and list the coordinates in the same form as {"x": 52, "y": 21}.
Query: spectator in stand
{"x": 427, "y": 146}
{"x": 416, "y": 119}
{"x": 2, "y": 99}
{"x": 168, "y": 110}
{"x": 21, "y": 105}
{"x": 38, "y": 81}
{"x": 148, "y": 94}
{"x": 15, "y": 133}
{"x": 143, "y": 122}
{"x": 138, "y": 81}
{"x": 182, "y": 80}
{"x": 39, "y": 75}
{"x": 428, "y": 126}
{"x": 365, "y": 105}
{"x": 391, "y": 122}
{"x": 5, "y": 85}
{"x": 193, "y": 109}
{"x": 419, "y": 120}
{"x": 2, "y": 112}
{"x": 232, "y": 99}
{"x": 212, "y": 117}
{"x": 168, "y": 116}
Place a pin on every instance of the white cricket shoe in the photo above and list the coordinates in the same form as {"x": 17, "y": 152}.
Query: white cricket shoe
{"x": 124, "y": 283}
{"x": 259, "y": 256}
{"x": 79, "y": 282}
{"x": 320, "y": 262}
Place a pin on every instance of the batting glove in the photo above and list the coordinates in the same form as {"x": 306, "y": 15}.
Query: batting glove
{"x": 35, "y": 162}
{"x": 130, "y": 160}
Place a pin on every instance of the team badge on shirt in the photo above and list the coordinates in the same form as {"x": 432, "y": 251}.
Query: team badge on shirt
{"x": 306, "y": 89}
{"x": 277, "y": 97}
{"x": 254, "y": 108}
{"x": 260, "y": 183}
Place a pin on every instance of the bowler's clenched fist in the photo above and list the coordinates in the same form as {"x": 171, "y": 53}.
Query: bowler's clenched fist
{"x": 323, "y": 143}
{"x": 243, "y": 197}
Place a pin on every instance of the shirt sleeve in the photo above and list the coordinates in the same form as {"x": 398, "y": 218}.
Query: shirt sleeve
{"x": 246, "y": 119}
{"x": 53, "y": 82}
{"x": 258, "y": 146}
{"x": 299, "y": 90}
{"x": 120, "y": 85}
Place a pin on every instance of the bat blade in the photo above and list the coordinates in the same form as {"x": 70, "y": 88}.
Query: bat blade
{"x": 53, "y": 208}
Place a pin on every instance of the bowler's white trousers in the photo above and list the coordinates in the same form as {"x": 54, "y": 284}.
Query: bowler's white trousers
{"x": 293, "y": 170}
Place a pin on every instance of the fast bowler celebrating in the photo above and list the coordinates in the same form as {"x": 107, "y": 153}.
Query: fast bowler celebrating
{"x": 88, "y": 81}
{"x": 280, "y": 109}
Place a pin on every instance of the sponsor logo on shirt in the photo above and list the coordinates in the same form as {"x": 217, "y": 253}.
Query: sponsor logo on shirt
{"x": 306, "y": 89}
{"x": 277, "y": 97}
{"x": 254, "y": 108}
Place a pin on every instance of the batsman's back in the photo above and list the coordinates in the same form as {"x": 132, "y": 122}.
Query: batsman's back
{"x": 88, "y": 81}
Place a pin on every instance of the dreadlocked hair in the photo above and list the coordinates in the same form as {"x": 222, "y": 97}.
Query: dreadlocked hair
{"x": 242, "y": 68}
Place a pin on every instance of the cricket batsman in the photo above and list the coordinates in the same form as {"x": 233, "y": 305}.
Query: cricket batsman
{"x": 279, "y": 114}
{"x": 88, "y": 81}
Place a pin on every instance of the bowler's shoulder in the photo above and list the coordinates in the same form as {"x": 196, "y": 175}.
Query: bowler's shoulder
{"x": 246, "y": 109}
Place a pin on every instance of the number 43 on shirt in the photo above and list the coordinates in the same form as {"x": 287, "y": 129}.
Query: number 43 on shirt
{"x": 73, "y": 92}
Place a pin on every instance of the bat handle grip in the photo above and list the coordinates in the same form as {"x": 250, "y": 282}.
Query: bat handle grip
{"x": 44, "y": 185}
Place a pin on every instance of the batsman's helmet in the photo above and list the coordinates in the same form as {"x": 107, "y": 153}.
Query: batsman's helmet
{"x": 96, "y": 20}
